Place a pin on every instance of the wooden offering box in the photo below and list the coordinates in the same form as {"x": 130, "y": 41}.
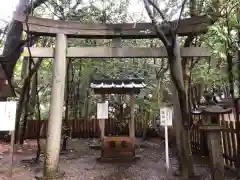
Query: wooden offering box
{"x": 118, "y": 148}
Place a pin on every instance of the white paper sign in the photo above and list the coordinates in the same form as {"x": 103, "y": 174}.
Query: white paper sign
{"x": 7, "y": 115}
{"x": 166, "y": 116}
{"x": 102, "y": 110}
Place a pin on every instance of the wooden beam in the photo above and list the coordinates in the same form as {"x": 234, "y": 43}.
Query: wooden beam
{"x": 49, "y": 27}
{"x": 125, "y": 52}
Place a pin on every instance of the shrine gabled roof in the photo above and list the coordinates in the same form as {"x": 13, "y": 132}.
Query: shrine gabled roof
{"x": 117, "y": 85}
{"x": 122, "y": 82}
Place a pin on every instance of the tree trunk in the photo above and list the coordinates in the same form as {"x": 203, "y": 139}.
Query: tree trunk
{"x": 181, "y": 113}
{"x": 186, "y": 79}
{"x": 33, "y": 96}
{"x": 12, "y": 47}
{"x": 26, "y": 67}
{"x": 66, "y": 128}
{"x": 24, "y": 122}
{"x": 21, "y": 114}
{"x": 38, "y": 115}
{"x": 24, "y": 90}
{"x": 12, "y": 50}
{"x": 230, "y": 73}
{"x": 12, "y": 41}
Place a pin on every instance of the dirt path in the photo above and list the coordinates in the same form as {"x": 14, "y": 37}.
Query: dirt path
{"x": 81, "y": 165}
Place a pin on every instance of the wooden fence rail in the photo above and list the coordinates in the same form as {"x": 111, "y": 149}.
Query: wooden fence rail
{"x": 81, "y": 128}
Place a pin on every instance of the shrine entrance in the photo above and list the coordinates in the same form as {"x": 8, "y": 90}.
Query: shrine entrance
{"x": 63, "y": 30}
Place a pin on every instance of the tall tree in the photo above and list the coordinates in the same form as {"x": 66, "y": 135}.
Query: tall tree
{"x": 180, "y": 105}
{"x": 12, "y": 47}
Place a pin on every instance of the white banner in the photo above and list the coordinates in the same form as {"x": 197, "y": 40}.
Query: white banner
{"x": 102, "y": 110}
{"x": 8, "y": 115}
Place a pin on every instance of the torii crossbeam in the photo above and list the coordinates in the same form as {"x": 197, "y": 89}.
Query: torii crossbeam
{"x": 49, "y": 27}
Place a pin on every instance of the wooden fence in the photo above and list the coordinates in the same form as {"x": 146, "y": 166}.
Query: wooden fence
{"x": 228, "y": 140}
{"x": 90, "y": 129}
{"x": 81, "y": 128}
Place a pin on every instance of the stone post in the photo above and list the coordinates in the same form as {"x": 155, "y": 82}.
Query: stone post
{"x": 132, "y": 120}
{"x": 102, "y": 121}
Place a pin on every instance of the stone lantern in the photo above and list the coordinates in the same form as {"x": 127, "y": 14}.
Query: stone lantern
{"x": 211, "y": 126}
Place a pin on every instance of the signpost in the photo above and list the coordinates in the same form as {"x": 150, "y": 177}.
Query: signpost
{"x": 7, "y": 123}
{"x": 166, "y": 120}
{"x": 102, "y": 114}
{"x": 102, "y": 110}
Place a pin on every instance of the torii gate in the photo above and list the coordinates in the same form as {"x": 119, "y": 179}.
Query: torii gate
{"x": 67, "y": 29}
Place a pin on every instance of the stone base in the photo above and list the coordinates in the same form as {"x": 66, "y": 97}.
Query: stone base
{"x": 41, "y": 177}
{"x": 117, "y": 159}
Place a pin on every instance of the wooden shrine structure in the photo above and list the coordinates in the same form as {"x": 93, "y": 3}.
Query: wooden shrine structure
{"x": 118, "y": 147}
{"x": 68, "y": 29}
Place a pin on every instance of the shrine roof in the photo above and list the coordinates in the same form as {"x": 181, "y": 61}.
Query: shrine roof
{"x": 123, "y": 84}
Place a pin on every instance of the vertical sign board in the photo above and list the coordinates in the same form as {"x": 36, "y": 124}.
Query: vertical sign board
{"x": 102, "y": 114}
{"x": 166, "y": 120}
{"x": 166, "y": 116}
{"x": 7, "y": 115}
{"x": 102, "y": 110}
{"x": 7, "y": 123}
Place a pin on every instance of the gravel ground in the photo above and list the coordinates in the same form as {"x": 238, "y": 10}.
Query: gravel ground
{"x": 80, "y": 164}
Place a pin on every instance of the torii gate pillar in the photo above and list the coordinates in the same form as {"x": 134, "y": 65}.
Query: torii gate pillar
{"x": 56, "y": 107}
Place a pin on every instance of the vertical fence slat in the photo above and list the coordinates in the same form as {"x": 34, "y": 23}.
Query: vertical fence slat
{"x": 229, "y": 141}
{"x": 233, "y": 139}
{"x": 225, "y": 139}
{"x": 222, "y": 140}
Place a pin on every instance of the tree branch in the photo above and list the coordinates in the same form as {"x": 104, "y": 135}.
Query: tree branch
{"x": 180, "y": 15}
{"x": 55, "y": 14}
{"x": 59, "y": 8}
{"x": 76, "y": 5}
{"x": 34, "y": 5}
{"x": 157, "y": 8}
{"x": 154, "y": 22}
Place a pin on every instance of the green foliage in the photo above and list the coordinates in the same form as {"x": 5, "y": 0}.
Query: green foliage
{"x": 221, "y": 37}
